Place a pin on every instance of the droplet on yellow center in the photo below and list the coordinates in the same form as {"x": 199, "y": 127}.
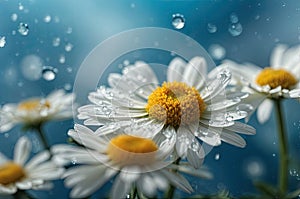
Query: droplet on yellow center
{"x": 175, "y": 103}
{"x": 34, "y": 105}
{"x": 11, "y": 173}
{"x": 131, "y": 150}
{"x": 275, "y": 78}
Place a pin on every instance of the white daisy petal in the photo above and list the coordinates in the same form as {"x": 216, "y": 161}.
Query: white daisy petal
{"x": 8, "y": 190}
{"x": 195, "y": 156}
{"x": 241, "y": 128}
{"x": 233, "y": 138}
{"x": 39, "y": 158}
{"x": 276, "y": 56}
{"x": 24, "y": 184}
{"x": 294, "y": 93}
{"x": 178, "y": 181}
{"x": 22, "y": 150}
{"x": 130, "y": 174}
{"x": 176, "y": 69}
{"x": 3, "y": 159}
{"x": 264, "y": 111}
{"x": 195, "y": 71}
{"x": 147, "y": 186}
{"x": 120, "y": 189}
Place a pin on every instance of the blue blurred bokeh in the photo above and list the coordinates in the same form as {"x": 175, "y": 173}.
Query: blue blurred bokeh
{"x": 76, "y": 27}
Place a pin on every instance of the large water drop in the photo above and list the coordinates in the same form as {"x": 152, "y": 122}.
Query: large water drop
{"x": 178, "y": 21}
{"x": 2, "y": 42}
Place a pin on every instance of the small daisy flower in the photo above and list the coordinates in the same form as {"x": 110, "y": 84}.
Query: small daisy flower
{"x": 133, "y": 161}
{"x": 20, "y": 173}
{"x": 35, "y": 111}
{"x": 191, "y": 104}
{"x": 280, "y": 80}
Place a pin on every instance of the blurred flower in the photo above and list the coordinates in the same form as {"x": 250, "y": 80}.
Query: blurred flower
{"x": 189, "y": 103}
{"x": 35, "y": 111}
{"x": 280, "y": 80}
{"x": 17, "y": 174}
{"x": 135, "y": 161}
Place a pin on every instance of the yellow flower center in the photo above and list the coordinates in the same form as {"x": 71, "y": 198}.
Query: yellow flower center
{"x": 175, "y": 103}
{"x": 129, "y": 150}
{"x": 34, "y": 105}
{"x": 11, "y": 173}
{"x": 275, "y": 78}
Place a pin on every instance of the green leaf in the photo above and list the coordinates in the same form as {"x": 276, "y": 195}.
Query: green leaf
{"x": 266, "y": 189}
{"x": 293, "y": 194}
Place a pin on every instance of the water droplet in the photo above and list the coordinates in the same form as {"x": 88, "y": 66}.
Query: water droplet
{"x": 13, "y": 32}
{"x": 68, "y": 47}
{"x": 257, "y": 17}
{"x": 69, "y": 69}
{"x": 233, "y": 18}
{"x": 235, "y": 29}
{"x": 56, "y": 19}
{"x": 49, "y": 73}
{"x": 212, "y": 28}
{"x": 6, "y": 135}
{"x": 21, "y": 7}
{"x": 23, "y": 29}
{"x": 178, "y": 21}
{"x": 132, "y": 5}
{"x": 245, "y": 107}
{"x": 217, "y": 156}
{"x": 31, "y": 67}
{"x": 254, "y": 168}
{"x": 56, "y": 42}
{"x": 69, "y": 30}
{"x": 67, "y": 86}
{"x": 273, "y": 154}
{"x": 62, "y": 59}
{"x": 20, "y": 84}
{"x": 47, "y": 19}
{"x": 126, "y": 62}
{"x": 217, "y": 51}
{"x": 283, "y": 4}
{"x": 2, "y": 42}
{"x": 14, "y": 17}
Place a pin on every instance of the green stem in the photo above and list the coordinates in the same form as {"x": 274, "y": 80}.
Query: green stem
{"x": 283, "y": 150}
{"x": 39, "y": 129}
{"x": 171, "y": 191}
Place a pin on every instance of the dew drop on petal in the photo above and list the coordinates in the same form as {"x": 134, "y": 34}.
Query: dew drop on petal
{"x": 47, "y": 19}
{"x": 235, "y": 29}
{"x": 31, "y": 67}
{"x": 233, "y": 18}
{"x": 14, "y": 17}
{"x": 23, "y": 29}
{"x": 211, "y": 28}
{"x": 178, "y": 21}
{"x": 49, "y": 73}
{"x": 68, "y": 47}
{"x": 217, "y": 51}
{"x": 2, "y": 42}
{"x": 56, "y": 42}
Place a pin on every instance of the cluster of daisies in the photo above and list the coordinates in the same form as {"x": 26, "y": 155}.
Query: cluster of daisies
{"x": 146, "y": 134}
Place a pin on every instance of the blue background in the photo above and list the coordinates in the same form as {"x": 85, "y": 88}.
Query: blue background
{"x": 264, "y": 23}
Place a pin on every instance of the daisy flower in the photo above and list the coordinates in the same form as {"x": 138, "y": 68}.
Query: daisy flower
{"x": 280, "y": 80}
{"x": 189, "y": 103}
{"x": 133, "y": 161}
{"x": 20, "y": 173}
{"x": 35, "y": 111}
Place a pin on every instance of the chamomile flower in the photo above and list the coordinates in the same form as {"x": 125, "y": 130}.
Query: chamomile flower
{"x": 194, "y": 106}
{"x": 133, "y": 161}
{"x": 20, "y": 173}
{"x": 280, "y": 80}
{"x": 31, "y": 112}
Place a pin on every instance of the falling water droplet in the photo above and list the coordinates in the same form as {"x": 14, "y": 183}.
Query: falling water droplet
{"x": 235, "y": 29}
{"x": 212, "y": 28}
{"x": 217, "y": 156}
{"x": 178, "y": 21}
{"x": 49, "y": 73}
{"x": 14, "y": 17}
{"x": 23, "y": 29}
{"x": 217, "y": 51}
{"x": 62, "y": 59}
{"x": 2, "y": 42}
{"x": 233, "y": 18}
{"x": 56, "y": 42}
{"x": 68, "y": 47}
{"x": 47, "y": 19}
